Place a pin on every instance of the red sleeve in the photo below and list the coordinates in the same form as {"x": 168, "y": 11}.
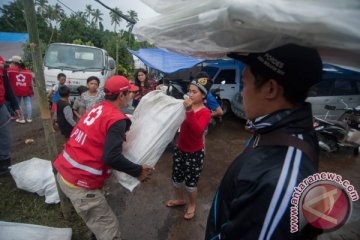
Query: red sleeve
{"x": 198, "y": 125}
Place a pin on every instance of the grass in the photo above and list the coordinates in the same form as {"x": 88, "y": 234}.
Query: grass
{"x": 24, "y": 207}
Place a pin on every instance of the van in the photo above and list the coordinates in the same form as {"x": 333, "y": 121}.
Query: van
{"x": 77, "y": 62}
{"x": 229, "y": 72}
{"x": 339, "y": 87}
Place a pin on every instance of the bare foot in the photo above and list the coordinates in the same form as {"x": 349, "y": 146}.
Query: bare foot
{"x": 175, "y": 203}
{"x": 190, "y": 212}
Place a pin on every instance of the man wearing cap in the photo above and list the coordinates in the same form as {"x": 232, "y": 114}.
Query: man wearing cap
{"x": 253, "y": 199}
{"x": 21, "y": 83}
{"x": 6, "y": 94}
{"x": 94, "y": 147}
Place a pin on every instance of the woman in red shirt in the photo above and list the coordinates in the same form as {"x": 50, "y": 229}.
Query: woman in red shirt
{"x": 144, "y": 83}
{"x": 189, "y": 153}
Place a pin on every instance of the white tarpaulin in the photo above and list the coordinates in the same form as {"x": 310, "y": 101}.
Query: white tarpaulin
{"x": 36, "y": 175}
{"x": 21, "y": 231}
{"x": 212, "y": 28}
{"x": 154, "y": 124}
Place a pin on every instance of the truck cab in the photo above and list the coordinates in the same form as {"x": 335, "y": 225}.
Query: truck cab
{"x": 77, "y": 62}
{"x": 229, "y": 72}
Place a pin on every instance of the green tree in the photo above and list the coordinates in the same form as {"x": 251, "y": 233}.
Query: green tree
{"x": 12, "y": 20}
{"x": 78, "y": 41}
{"x": 42, "y": 6}
{"x": 133, "y": 16}
{"x": 80, "y": 16}
{"x": 89, "y": 11}
{"x": 97, "y": 16}
{"x": 54, "y": 14}
{"x": 115, "y": 20}
{"x": 75, "y": 27}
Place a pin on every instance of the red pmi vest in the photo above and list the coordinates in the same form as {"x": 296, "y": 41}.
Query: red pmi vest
{"x": 2, "y": 88}
{"x": 21, "y": 81}
{"x": 81, "y": 163}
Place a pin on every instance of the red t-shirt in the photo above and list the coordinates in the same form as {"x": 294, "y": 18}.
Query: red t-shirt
{"x": 192, "y": 130}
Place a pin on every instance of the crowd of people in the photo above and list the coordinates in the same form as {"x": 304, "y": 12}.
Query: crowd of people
{"x": 253, "y": 198}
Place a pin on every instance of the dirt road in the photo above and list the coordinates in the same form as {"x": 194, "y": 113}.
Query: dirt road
{"x": 142, "y": 213}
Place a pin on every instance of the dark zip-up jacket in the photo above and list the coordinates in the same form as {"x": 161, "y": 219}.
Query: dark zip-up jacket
{"x": 253, "y": 199}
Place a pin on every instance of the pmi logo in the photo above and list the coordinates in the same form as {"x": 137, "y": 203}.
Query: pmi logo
{"x": 322, "y": 200}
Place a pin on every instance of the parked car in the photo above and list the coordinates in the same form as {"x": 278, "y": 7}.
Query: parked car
{"x": 338, "y": 85}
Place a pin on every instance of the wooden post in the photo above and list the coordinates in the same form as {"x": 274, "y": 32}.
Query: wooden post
{"x": 31, "y": 23}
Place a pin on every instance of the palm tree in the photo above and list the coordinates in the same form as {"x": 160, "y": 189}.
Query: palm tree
{"x": 116, "y": 19}
{"x": 80, "y": 15}
{"x": 42, "y": 6}
{"x": 55, "y": 13}
{"x": 133, "y": 16}
{"x": 97, "y": 16}
{"x": 89, "y": 11}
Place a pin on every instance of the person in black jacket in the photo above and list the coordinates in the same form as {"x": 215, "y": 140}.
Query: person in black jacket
{"x": 253, "y": 199}
{"x": 6, "y": 94}
{"x": 64, "y": 113}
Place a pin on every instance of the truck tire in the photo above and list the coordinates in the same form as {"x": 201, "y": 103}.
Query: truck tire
{"x": 226, "y": 107}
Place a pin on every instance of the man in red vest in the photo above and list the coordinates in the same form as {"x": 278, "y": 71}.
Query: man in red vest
{"x": 94, "y": 147}
{"x": 6, "y": 94}
{"x": 21, "y": 83}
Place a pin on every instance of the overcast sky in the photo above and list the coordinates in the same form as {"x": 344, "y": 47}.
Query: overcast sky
{"x": 124, "y": 5}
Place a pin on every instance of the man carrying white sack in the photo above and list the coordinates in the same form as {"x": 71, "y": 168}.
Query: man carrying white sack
{"x": 94, "y": 148}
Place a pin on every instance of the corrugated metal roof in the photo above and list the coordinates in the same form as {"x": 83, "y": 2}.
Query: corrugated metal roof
{"x": 14, "y": 37}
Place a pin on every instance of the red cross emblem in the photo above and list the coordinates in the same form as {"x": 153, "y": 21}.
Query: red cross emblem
{"x": 93, "y": 115}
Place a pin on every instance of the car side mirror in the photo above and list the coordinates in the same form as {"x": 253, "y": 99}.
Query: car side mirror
{"x": 111, "y": 64}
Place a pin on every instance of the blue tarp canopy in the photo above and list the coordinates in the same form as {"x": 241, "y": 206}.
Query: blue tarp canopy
{"x": 164, "y": 60}
{"x": 13, "y": 37}
{"x": 12, "y": 44}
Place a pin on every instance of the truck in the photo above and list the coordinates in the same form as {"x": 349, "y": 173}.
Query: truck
{"x": 226, "y": 75}
{"x": 77, "y": 62}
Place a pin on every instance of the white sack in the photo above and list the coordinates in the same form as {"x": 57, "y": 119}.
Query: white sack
{"x": 21, "y": 231}
{"x": 154, "y": 124}
{"x": 210, "y": 29}
{"x": 36, "y": 175}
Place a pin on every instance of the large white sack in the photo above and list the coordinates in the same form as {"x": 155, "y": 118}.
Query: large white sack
{"x": 21, "y": 231}
{"x": 210, "y": 29}
{"x": 154, "y": 124}
{"x": 36, "y": 175}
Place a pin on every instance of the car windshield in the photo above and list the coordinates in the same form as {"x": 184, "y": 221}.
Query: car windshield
{"x": 73, "y": 57}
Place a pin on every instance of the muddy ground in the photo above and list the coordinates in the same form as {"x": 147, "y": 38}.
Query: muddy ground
{"x": 142, "y": 213}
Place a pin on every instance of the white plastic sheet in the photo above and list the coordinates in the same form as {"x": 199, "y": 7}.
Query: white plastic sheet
{"x": 21, "y": 231}
{"x": 210, "y": 29}
{"x": 36, "y": 175}
{"x": 154, "y": 124}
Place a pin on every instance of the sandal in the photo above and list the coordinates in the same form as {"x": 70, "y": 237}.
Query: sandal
{"x": 189, "y": 215}
{"x": 175, "y": 203}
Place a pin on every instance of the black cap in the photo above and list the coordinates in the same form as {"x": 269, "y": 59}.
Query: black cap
{"x": 290, "y": 62}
